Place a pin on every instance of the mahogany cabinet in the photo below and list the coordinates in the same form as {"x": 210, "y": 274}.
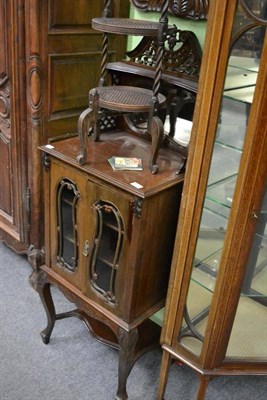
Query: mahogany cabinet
{"x": 109, "y": 238}
{"x": 50, "y": 58}
{"x": 216, "y": 310}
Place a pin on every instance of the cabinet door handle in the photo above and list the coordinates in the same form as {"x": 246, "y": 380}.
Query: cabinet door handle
{"x": 86, "y": 248}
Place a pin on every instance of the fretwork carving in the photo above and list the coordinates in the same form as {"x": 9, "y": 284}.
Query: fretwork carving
{"x": 182, "y": 54}
{"x": 193, "y": 9}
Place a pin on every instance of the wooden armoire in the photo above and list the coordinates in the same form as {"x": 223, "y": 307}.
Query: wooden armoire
{"x": 49, "y": 58}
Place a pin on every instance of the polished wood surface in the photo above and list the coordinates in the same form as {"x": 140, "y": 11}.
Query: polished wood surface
{"x": 13, "y": 158}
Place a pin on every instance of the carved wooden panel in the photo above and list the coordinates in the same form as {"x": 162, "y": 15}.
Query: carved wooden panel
{"x": 12, "y": 123}
{"x": 5, "y": 146}
{"x": 193, "y": 9}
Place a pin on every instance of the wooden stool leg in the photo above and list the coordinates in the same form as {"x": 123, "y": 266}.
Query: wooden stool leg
{"x": 94, "y": 105}
{"x": 83, "y": 130}
{"x": 88, "y": 121}
{"x": 164, "y": 372}
{"x": 127, "y": 342}
{"x": 203, "y": 385}
{"x": 156, "y": 131}
{"x": 43, "y": 288}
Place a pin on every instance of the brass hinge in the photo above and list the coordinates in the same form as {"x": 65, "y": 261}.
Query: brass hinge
{"x": 137, "y": 206}
{"x": 46, "y": 161}
{"x": 28, "y": 208}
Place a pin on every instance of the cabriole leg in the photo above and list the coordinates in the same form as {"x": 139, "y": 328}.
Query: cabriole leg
{"x": 127, "y": 344}
{"x": 156, "y": 131}
{"x": 43, "y": 288}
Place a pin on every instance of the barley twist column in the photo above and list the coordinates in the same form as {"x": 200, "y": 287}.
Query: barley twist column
{"x": 104, "y": 57}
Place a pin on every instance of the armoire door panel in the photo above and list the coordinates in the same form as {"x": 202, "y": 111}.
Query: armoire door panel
{"x": 12, "y": 133}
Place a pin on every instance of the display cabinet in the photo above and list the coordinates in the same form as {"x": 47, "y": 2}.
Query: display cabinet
{"x": 216, "y": 311}
{"x": 109, "y": 240}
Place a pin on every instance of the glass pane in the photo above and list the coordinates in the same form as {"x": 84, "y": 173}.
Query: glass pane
{"x": 240, "y": 81}
{"x": 247, "y": 339}
{"x": 107, "y": 249}
{"x": 66, "y": 225}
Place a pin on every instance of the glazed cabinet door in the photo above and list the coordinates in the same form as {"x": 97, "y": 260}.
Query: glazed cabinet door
{"x": 67, "y": 219}
{"x": 13, "y": 194}
{"x": 108, "y": 238}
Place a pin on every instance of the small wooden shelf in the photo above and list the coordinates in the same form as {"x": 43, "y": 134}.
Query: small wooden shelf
{"x": 125, "y": 26}
{"x": 127, "y": 98}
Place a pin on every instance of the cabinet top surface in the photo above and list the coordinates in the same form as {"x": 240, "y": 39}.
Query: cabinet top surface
{"x": 120, "y": 144}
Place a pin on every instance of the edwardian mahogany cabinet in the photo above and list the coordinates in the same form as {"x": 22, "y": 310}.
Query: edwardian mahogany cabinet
{"x": 50, "y": 56}
{"x": 109, "y": 241}
{"x": 216, "y": 311}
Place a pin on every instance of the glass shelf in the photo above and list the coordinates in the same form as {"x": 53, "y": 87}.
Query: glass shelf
{"x": 239, "y": 77}
{"x": 224, "y": 164}
{"x": 212, "y": 219}
{"x": 205, "y": 269}
{"x": 222, "y": 193}
{"x": 247, "y": 63}
{"x": 244, "y": 94}
{"x": 231, "y": 135}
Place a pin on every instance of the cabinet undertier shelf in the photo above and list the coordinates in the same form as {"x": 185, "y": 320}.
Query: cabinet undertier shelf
{"x": 125, "y": 26}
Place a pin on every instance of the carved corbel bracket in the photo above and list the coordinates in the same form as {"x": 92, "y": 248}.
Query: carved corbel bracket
{"x": 35, "y": 98}
{"x": 5, "y": 108}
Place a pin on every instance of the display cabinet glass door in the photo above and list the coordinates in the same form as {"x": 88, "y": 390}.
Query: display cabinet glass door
{"x": 67, "y": 198}
{"x": 241, "y": 79}
{"x": 107, "y": 247}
